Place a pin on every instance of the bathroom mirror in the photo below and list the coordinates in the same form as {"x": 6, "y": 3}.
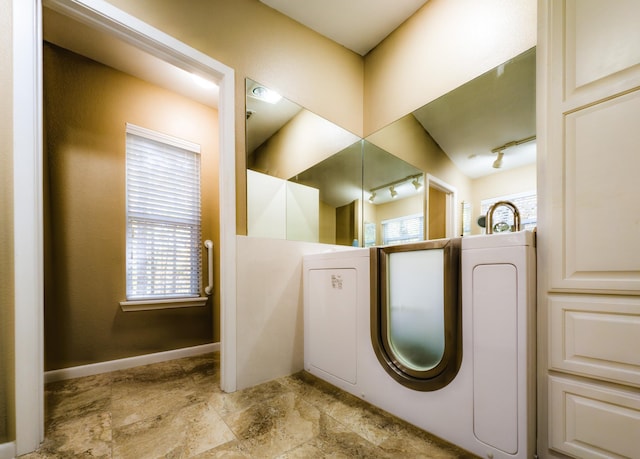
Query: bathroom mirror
{"x": 430, "y": 174}
{"x": 475, "y": 144}
{"x": 303, "y": 172}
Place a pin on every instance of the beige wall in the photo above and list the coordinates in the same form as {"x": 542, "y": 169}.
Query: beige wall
{"x": 443, "y": 45}
{"x": 260, "y": 43}
{"x": 503, "y": 183}
{"x": 6, "y": 229}
{"x": 86, "y": 108}
{"x": 327, "y": 223}
{"x": 408, "y": 140}
{"x": 393, "y": 209}
{"x": 306, "y": 140}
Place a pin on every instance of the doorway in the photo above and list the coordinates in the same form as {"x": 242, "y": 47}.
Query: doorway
{"x": 440, "y": 206}
{"x": 27, "y": 132}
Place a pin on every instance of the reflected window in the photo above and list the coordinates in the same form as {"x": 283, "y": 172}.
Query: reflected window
{"x": 409, "y": 228}
{"x": 526, "y": 202}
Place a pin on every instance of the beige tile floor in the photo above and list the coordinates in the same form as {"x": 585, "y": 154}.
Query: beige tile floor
{"x": 176, "y": 410}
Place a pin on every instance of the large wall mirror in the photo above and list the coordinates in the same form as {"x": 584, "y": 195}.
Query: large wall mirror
{"x": 429, "y": 175}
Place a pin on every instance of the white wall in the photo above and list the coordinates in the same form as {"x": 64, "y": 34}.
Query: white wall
{"x": 269, "y": 310}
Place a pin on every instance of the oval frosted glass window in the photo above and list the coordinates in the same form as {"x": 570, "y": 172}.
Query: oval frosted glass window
{"x": 415, "y": 311}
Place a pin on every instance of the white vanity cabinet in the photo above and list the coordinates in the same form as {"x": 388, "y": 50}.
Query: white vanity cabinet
{"x": 589, "y": 232}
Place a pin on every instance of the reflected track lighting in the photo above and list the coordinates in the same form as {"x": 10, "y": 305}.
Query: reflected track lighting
{"x": 393, "y": 191}
{"x": 497, "y": 164}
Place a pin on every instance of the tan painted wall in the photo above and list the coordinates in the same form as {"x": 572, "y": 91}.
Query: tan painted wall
{"x": 260, "y": 43}
{"x": 408, "y": 140}
{"x": 306, "y": 140}
{"x": 443, "y": 45}
{"x": 6, "y": 229}
{"x": 327, "y": 223}
{"x": 86, "y": 108}
{"x": 393, "y": 209}
{"x": 437, "y": 212}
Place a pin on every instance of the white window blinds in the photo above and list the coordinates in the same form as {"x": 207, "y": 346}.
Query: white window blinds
{"x": 404, "y": 229}
{"x": 526, "y": 202}
{"x": 163, "y": 216}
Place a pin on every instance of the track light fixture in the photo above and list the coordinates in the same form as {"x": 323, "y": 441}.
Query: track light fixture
{"x": 497, "y": 164}
{"x": 416, "y": 180}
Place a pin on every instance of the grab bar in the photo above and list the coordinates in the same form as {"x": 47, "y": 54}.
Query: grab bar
{"x": 209, "y": 245}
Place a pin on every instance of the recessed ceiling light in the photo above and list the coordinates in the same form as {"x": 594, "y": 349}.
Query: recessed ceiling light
{"x": 266, "y": 94}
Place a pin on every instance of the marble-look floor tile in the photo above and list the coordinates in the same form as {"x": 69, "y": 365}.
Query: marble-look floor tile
{"x": 77, "y": 397}
{"x": 334, "y": 441}
{"x": 267, "y": 430}
{"x": 176, "y": 410}
{"x": 88, "y": 436}
{"x": 181, "y": 434}
{"x": 230, "y": 450}
{"x": 227, "y": 403}
{"x": 135, "y": 400}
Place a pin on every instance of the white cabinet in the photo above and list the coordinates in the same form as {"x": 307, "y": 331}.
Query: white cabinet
{"x": 589, "y": 231}
{"x": 590, "y": 420}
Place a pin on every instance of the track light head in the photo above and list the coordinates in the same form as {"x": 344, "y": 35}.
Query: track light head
{"x": 497, "y": 164}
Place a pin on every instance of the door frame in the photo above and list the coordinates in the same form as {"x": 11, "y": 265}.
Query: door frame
{"x": 28, "y": 189}
{"x": 450, "y": 205}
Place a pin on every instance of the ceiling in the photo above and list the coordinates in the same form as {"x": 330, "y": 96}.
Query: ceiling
{"x": 358, "y": 25}
{"x": 102, "y": 47}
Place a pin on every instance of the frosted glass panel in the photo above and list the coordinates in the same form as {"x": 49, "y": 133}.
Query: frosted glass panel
{"x": 415, "y": 315}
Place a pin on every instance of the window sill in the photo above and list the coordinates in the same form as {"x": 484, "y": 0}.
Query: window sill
{"x": 170, "y": 303}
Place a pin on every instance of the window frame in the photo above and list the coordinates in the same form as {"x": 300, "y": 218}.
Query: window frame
{"x": 168, "y": 301}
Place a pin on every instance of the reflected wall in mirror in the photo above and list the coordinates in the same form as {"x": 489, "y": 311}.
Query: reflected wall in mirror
{"x": 304, "y": 173}
{"x": 394, "y": 201}
{"x": 477, "y": 142}
{"x": 429, "y": 175}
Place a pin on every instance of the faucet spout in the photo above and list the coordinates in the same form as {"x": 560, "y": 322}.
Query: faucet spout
{"x": 509, "y": 205}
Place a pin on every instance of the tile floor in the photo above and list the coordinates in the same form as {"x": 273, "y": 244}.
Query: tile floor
{"x": 176, "y": 410}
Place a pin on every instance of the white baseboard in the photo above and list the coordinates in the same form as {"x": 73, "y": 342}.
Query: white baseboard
{"x": 129, "y": 362}
{"x": 7, "y": 450}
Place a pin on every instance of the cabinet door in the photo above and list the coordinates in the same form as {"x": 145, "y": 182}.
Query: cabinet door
{"x": 589, "y": 232}
{"x": 592, "y": 420}
{"x": 593, "y": 155}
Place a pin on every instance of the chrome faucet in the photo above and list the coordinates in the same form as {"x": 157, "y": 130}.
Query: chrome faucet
{"x": 508, "y": 204}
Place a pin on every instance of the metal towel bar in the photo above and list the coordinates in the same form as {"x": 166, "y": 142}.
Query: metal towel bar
{"x": 209, "y": 245}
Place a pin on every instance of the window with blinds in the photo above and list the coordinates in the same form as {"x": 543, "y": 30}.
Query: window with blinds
{"x": 163, "y": 216}
{"x": 526, "y": 202}
{"x": 404, "y": 229}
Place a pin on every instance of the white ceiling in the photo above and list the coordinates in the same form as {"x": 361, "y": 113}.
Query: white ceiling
{"x": 358, "y": 25}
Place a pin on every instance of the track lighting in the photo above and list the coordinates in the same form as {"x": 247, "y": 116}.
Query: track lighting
{"x": 404, "y": 187}
{"x": 497, "y": 164}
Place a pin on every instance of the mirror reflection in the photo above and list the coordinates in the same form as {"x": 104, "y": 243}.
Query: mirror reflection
{"x": 303, "y": 172}
{"x": 476, "y": 144}
{"x": 431, "y": 174}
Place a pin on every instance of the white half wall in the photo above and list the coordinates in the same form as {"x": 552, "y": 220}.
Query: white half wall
{"x": 270, "y": 340}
